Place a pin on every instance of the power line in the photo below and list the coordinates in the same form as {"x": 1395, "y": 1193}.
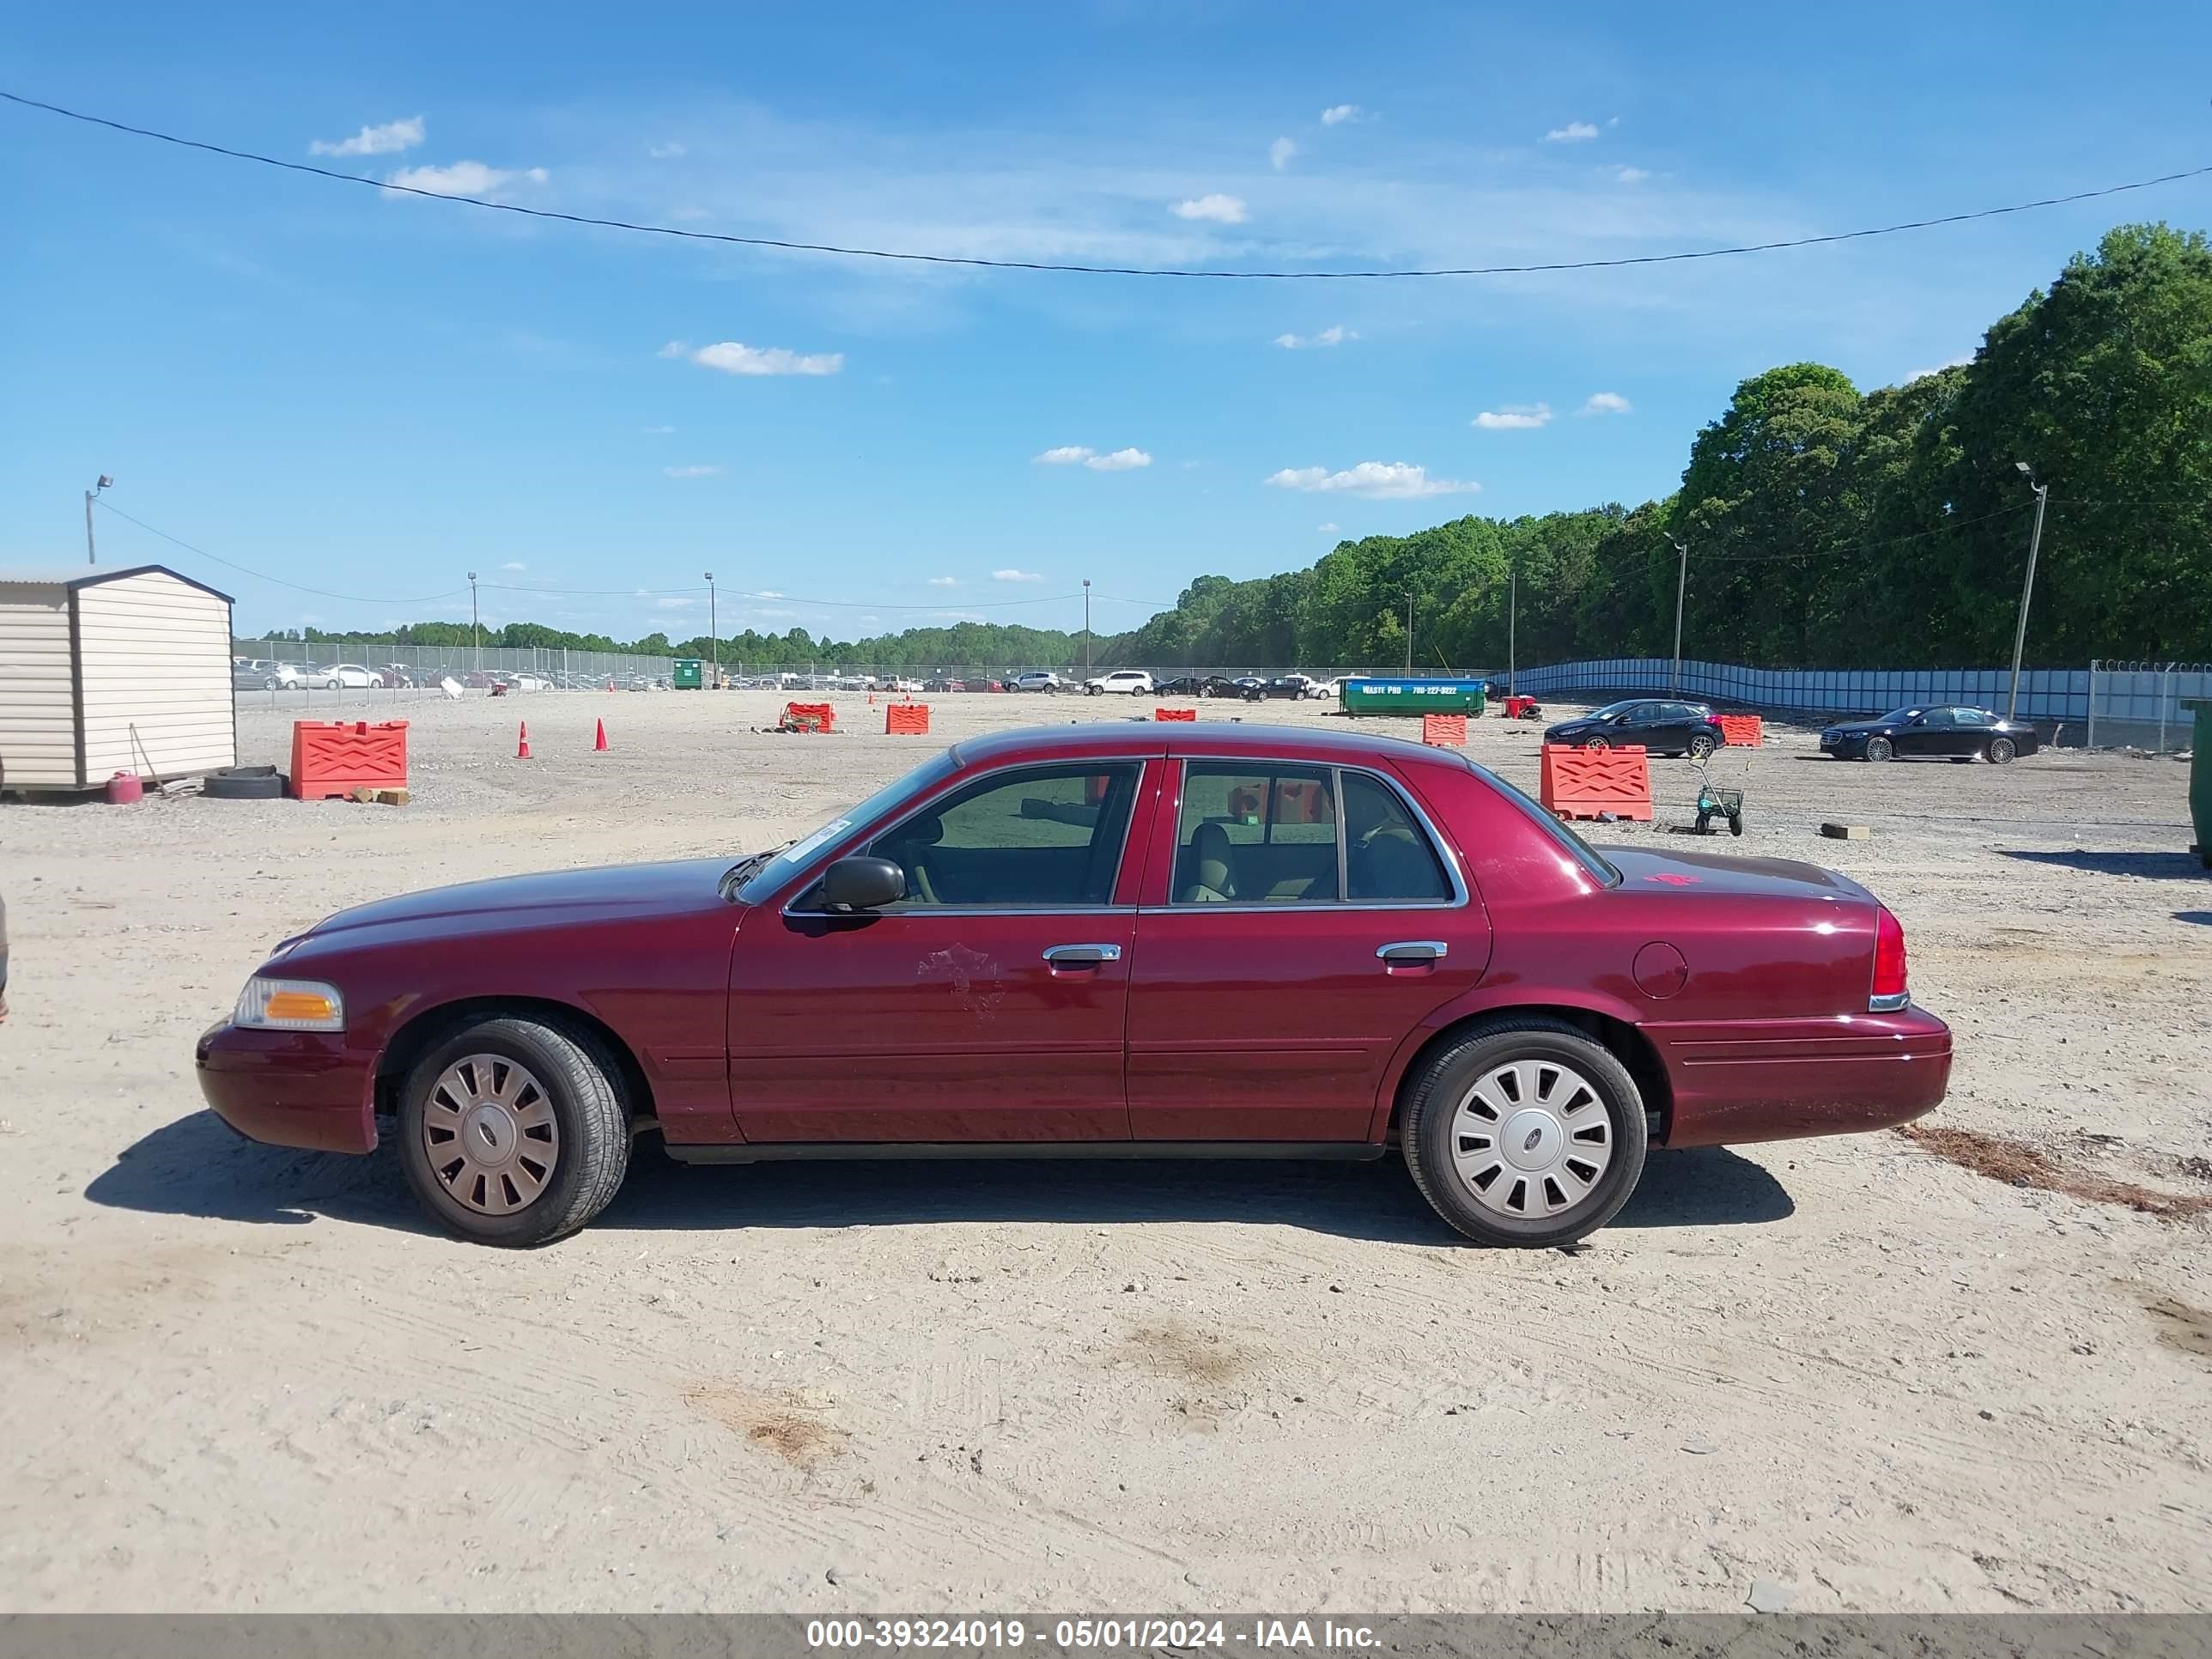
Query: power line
{"x": 216, "y": 558}
{"x": 779, "y": 245}
{"x": 773, "y": 597}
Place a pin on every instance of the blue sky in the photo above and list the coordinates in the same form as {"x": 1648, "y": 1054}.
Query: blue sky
{"x": 373, "y": 395}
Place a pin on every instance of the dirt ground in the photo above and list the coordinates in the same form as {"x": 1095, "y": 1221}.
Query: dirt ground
{"x": 236, "y": 1377}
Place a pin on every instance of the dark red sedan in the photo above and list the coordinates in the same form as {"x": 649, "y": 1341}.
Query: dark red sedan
{"x": 1112, "y": 940}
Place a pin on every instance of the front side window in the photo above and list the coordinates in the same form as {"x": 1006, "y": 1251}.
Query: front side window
{"x": 1044, "y": 838}
{"x": 1268, "y": 833}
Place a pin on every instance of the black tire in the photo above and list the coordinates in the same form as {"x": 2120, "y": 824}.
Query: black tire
{"x": 1701, "y": 747}
{"x": 1879, "y": 748}
{"x": 2001, "y": 751}
{"x": 269, "y": 685}
{"x": 1735, "y": 825}
{"x": 244, "y": 783}
{"x": 1434, "y": 1093}
{"x": 1094, "y": 691}
{"x": 1597, "y": 743}
{"x": 583, "y": 1088}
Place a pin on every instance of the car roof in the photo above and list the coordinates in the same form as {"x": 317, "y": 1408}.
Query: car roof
{"x": 1083, "y": 740}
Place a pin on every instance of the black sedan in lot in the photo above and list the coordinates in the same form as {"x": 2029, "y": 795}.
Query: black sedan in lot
{"x": 1930, "y": 732}
{"x": 1663, "y": 726}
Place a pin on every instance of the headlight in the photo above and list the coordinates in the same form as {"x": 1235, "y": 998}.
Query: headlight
{"x": 289, "y": 1004}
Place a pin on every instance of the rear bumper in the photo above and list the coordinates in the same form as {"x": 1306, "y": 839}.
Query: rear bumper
{"x": 1741, "y": 1081}
{"x": 289, "y": 1088}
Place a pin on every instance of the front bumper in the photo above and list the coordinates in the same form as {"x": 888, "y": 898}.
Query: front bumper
{"x": 302, "y": 1089}
{"x": 1754, "y": 1080}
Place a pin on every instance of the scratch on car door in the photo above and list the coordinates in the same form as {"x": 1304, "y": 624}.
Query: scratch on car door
{"x": 974, "y": 976}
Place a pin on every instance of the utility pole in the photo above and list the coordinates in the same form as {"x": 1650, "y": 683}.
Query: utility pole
{"x": 1682, "y": 581}
{"x": 1409, "y": 633}
{"x": 1512, "y": 617}
{"x": 713, "y": 638}
{"x": 89, "y": 556}
{"x": 474, "y": 624}
{"x": 2026, "y": 587}
{"x": 1086, "y": 628}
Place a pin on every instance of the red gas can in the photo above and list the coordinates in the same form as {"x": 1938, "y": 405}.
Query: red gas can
{"x": 123, "y": 788}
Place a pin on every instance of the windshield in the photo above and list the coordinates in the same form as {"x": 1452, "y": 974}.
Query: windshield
{"x": 788, "y": 862}
{"x": 1898, "y": 716}
{"x": 1612, "y": 708}
{"x": 1600, "y": 869}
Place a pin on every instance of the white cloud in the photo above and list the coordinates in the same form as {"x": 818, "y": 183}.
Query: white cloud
{"x": 1515, "y": 417}
{"x": 1329, "y": 529}
{"x": 515, "y": 564}
{"x": 664, "y": 152}
{"x": 464, "y": 178}
{"x": 1953, "y": 362}
{"x": 768, "y": 593}
{"x": 944, "y": 581}
{"x": 1015, "y": 576}
{"x": 1221, "y": 210}
{"x": 388, "y": 140}
{"x": 1334, "y": 334}
{"x": 1337, "y": 114}
{"x": 1630, "y": 175}
{"x": 1280, "y": 153}
{"x": 708, "y": 472}
{"x": 1122, "y": 460}
{"x": 1574, "y": 132}
{"x": 733, "y": 358}
{"x": 1066, "y": 455}
{"x": 675, "y": 604}
{"x": 1605, "y": 402}
{"x": 657, "y": 431}
{"x": 1387, "y": 480}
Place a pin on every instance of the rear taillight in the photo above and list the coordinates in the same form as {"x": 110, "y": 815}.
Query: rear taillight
{"x": 1889, "y": 992}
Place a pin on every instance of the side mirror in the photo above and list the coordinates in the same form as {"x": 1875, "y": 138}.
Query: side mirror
{"x": 862, "y": 883}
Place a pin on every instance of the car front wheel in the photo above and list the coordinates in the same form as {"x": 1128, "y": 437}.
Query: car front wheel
{"x": 1878, "y": 748}
{"x": 2001, "y": 750}
{"x": 1597, "y": 743}
{"x": 1524, "y": 1133}
{"x": 514, "y": 1132}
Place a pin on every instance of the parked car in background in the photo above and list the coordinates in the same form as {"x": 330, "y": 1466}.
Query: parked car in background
{"x": 1931, "y": 731}
{"x": 526, "y": 681}
{"x": 346, "y": 676}
{"x": 1439, "y": 965}
{"x": 1661, "y": 725}
{"x": 1035, "y": 679}
{"x": 1252, "y": 686}
{"x": 396, "y": 675}
{"x": 1294, "y": 687}
{"x": 267, "y": 674}
{"x": 1330, "y": 690}
{"x": 1131, "y": 681}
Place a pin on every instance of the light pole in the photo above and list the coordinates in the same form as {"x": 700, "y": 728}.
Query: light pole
{"x": 89, "y": 556}
{"x": 1409, "y": 633}
{"x": 714, "y": 640}
{"x": 475, "y": 626}
{"x": 1512, "y": 617}
{"x": 1086, "y": 628}
{"x": 2026, "y": 587}
{"x": 1682, "y": 581}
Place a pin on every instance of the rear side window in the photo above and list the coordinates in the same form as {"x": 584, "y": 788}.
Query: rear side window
{"x": 1264, "y": 833}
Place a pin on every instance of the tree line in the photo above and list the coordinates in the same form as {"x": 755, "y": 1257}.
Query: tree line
{"x": 1815, "y": 525}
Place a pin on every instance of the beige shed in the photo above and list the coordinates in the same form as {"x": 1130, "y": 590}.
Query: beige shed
{"x": 88, "y": 659}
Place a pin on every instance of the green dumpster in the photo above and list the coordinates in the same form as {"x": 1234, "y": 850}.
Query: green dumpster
{"x": 687, "y": 677}
{"x": 1412, "y": 697}
{"x": 2200, "y": 778}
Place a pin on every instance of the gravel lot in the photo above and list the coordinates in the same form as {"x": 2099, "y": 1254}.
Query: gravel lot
{"x": 236, "y": 1377}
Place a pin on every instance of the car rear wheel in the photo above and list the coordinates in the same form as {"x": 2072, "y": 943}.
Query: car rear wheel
{"x": 2001, "y": 750}
{"x": 1878, "y": 748}
{"x": 1524, "y": 1133}
{"x": 1701, "y": 747}
{"x": 514, "y": 1132}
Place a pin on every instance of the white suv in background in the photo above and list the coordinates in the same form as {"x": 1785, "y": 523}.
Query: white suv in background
{"x": 1134, "y": 681}
{"x": 1037, "y": 679}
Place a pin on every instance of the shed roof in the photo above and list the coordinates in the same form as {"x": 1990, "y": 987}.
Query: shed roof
{"x": 90, "y": 578}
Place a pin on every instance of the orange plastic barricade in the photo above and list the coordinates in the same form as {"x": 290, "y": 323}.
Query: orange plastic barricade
{"x": 1743, "y": 729}
{"x": 1445, "y": 731}
{"x": 336, "y": 758}
{"x": 807, "y": 717}
{"x": 1586, "y": 783}
{"x": 1174, "y": 713}
{"x": 908, "y": 719}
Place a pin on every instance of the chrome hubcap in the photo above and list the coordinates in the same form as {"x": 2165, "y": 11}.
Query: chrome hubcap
{"x": 1531, "y": 1139}
{"x": 489, "y": 1134}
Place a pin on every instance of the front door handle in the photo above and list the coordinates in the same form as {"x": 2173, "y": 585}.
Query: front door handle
{"x": 1082, "y": 956}
{"x": 1413, "y": 952}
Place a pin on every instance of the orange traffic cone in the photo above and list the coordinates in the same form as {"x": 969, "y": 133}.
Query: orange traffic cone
{"x": 600, "y": 741}
{"x": 522, "y": 741}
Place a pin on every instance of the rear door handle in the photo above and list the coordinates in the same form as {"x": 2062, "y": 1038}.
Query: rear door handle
{"x": 1411, "y": 953}
{"x": 1082, "y": 956}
